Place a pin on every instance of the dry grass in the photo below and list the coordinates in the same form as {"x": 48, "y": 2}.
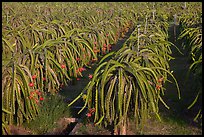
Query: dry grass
{"x": 152, "y": 127}
{"x": 168, "y": 127}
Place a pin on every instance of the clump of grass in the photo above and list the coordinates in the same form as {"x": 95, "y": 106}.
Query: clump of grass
{"x": 178, "y": 126}
{"x": 52, "y": 108}
{"x": 170, "y": 126}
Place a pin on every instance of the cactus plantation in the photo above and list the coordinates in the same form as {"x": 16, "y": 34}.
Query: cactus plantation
{"x": 49, "y": 47}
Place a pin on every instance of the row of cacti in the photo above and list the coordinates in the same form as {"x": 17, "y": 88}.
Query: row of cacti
{"x": 46, "y": 50}
{"x": 132, "y": 80}
{"x": 43, "y": 53}
{"x": 191, "y": 37}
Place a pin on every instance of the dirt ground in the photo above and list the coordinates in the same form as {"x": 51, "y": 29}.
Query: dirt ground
{"x": 153, "y": 127}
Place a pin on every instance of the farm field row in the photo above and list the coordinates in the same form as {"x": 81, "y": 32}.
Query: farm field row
{"x": 44, "y": 52}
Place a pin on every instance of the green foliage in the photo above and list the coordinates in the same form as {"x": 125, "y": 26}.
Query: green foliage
{"x": 131, "y": 81}
{"x": 191, "y": 34}
{"x": 52, "y": 46}
{"x": 51, "y": 109}
{"x": 38, "y": 41}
